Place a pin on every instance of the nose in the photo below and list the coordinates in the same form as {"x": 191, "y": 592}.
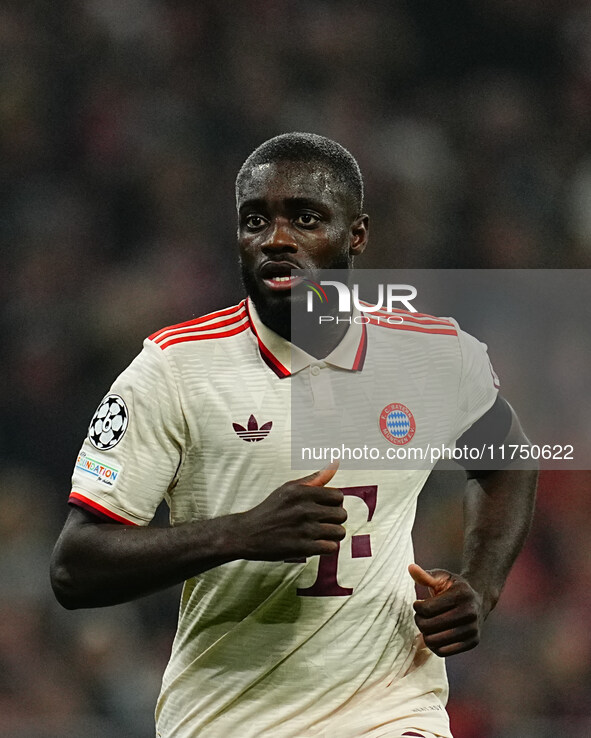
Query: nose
{"x": 280, "y": 238}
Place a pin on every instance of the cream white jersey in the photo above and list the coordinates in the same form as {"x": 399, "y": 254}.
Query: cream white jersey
{"x": 319, "y": 647}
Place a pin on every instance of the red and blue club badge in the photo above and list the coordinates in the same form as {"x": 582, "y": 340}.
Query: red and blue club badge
{"x": 397, "y": 424}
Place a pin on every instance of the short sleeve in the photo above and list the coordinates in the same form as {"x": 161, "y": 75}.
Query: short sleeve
{"x": 131, "y": 456}
{"x": 478, "y": 386}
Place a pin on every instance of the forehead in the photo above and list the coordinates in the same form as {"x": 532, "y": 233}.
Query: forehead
{"x": 282, "y": 180}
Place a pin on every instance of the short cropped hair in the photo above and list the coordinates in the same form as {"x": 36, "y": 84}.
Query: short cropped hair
{"x": 311, "y": 149}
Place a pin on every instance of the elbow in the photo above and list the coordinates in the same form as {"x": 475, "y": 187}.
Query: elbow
{"x": 64, "y": 585}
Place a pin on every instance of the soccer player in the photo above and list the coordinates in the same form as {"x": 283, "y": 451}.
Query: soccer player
{"x": 298, "y": 614}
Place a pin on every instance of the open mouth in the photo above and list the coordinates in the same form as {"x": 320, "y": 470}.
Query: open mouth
{"x": 277, "y": 276}
{"x": 282, "y": 283}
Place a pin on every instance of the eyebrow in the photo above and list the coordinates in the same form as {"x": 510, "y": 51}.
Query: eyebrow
{"x": 296, "y": 202}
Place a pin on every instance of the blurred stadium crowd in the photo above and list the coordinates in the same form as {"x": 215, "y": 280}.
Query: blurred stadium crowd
{"x": 122, "y": 125}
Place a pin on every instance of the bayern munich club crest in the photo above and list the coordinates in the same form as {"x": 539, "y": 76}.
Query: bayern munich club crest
{"x": 397, "y": 424}
{"x": 109, "y": 423}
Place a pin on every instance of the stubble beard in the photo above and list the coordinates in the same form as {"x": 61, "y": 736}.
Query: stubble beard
{"x": 275, "y": 311}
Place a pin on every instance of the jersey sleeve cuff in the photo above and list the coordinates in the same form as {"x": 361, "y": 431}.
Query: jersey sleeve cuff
{"x": 87, "y": 503}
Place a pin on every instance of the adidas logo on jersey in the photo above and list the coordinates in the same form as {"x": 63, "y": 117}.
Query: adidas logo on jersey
{"x": 252, "y": 432}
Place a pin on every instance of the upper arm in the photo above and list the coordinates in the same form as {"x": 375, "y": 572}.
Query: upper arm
{"x": 77, "y": 517}
{"x": 485, "y": 420}
{"x": 491, "y": 435}
{"x": 515, "y": 434}
{"x": 73, "y": 538}
{"x": 72, "y": 550}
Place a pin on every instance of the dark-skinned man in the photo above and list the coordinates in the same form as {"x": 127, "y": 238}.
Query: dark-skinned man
{"x": 294, "y": 620}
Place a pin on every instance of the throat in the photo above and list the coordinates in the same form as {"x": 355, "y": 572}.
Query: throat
{"x": 316, "y": 340}
{"x": 276, "y": 317}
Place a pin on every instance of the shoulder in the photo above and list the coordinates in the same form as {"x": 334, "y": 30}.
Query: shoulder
{"x": 220, "y": 324}
{"x": 404, "y": 321}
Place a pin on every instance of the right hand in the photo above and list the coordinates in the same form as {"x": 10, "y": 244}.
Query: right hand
{"x": 301, "y": 518}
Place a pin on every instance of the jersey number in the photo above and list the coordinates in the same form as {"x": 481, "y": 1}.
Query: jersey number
{"x": 326, "y": 584}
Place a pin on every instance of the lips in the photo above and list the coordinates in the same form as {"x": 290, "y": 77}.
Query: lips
{"x": 277, "y": 275}
{"x": 282, "y": 283}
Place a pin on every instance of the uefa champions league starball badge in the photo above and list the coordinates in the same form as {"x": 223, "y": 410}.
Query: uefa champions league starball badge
{"x": 397, "y": 424}
{"x": 109, "y": 423}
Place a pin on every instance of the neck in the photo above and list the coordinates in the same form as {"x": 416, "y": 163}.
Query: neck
{"x": 304, "y": 330}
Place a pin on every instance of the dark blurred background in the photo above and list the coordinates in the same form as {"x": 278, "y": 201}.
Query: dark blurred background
{"x": 122, "y": 125}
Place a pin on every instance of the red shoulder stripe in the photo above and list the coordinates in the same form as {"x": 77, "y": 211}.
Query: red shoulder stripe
{"x": 451, "y": 331}
{"x": 188, "y": 324}
{"x": 421, "y": 318}
{"x": 204, "y": 335}
{"x": 201, "y": 328}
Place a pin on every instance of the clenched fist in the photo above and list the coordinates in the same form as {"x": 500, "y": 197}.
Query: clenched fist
{"x": 301, "y": 518}
{"x": 451, "y": 617}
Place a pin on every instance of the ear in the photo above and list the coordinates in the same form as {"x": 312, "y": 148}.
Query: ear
{"x": 359, "y": 235}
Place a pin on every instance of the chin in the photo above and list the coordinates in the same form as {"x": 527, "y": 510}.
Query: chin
{"x": 274, "y": 308}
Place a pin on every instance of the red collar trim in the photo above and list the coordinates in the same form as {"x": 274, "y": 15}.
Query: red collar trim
{"x": 282, "y": 371}
{"x": 271, "y": 361}
{"x": 361, "y": 351}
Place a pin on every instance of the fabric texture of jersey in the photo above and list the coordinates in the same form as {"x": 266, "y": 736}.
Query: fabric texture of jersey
{"x": 318, "y": 647}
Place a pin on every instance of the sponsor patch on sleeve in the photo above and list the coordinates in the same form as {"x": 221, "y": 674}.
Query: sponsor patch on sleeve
{"x": 97, "y": 469}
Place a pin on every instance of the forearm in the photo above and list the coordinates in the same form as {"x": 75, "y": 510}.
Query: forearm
{"x": 498, "y": 511}
{"x": 96, "y": 564}
{"x": 99, "y": 564}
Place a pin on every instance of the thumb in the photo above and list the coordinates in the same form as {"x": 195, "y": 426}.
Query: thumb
{"x": 423, "y": 577}
{"x": 322, "y": 477}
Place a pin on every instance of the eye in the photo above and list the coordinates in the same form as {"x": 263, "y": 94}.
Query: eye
{"x": 307, "y": 220}
{"x": 254, "y": 222}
